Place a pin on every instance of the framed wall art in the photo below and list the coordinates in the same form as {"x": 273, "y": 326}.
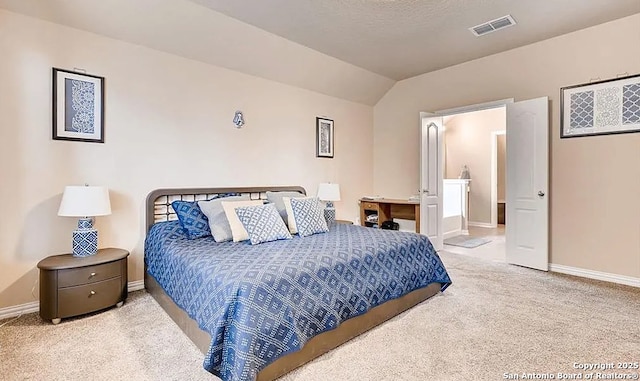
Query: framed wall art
{"x": 78, "y": 106}
{"x": 599, "y": 108}
{"x": 324, "y": 137}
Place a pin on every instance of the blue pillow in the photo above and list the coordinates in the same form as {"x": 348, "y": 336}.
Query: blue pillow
{"x": 191, "y": 218}
{"x": 309, "y": 216}
{"x": 263, "y": 223}
{"x": 218, "y": 222}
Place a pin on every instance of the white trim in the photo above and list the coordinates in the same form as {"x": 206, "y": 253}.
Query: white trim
{"x": 27, "y": 308}
{"x": 494, "y": 174}
{"x": 598, "y": 275}
{"x": 471, "y": 108}
{"x": 13, "y": 311}
{"x": 453, "y": 233}
{"x": 135, "y": 285}
{"x": 482, "y": 224}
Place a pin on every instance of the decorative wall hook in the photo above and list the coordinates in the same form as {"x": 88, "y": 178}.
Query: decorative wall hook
{"x": 238, "y": 119}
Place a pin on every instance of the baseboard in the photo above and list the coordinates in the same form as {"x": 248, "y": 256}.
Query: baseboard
{"x": 135, "y": 285}
{"x": 27, "y": 308}
{"x": 451, "y": 234}
{"x": 598, "y": 275}
{"x": 482, "y": 225}
{"x": 13, "y": 311}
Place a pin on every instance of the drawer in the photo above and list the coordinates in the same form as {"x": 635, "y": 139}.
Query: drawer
{"x": 89, "y": 274}
{"x": 79, "y": 300}
{"x": 370, "y": 205}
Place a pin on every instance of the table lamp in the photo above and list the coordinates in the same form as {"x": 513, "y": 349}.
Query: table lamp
{"x": 329, "y": 192}
{"x": 85, "y": 202}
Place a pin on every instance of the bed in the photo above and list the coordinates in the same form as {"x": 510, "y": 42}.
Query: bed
{"x": 260, "y": 311}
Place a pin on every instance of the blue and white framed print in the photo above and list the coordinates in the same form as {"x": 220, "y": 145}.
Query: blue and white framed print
{"x": 78, "y": 106}
{"x": 604, "y": 107}
{"x": 324, "y": 137}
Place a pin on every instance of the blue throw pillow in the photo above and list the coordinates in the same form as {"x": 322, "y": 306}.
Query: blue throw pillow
{"x": 263, "y": 223}
{"x": 309, "y": 216}
{"x": 218, "y": 222}
{"x": 191, "y": 218}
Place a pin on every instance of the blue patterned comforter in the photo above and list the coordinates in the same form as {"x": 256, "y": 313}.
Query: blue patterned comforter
{"x": 261, "y": 302}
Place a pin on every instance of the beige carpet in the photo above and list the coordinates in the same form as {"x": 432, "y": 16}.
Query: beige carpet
{"x": 494, "y": 319}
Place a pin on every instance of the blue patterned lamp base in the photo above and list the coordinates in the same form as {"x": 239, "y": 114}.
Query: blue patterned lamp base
{"x": 330, "y": 214}
{"x": 85, "y": 239}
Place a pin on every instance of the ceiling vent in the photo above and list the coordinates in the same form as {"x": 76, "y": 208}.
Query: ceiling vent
{"x": 493, "y": 25}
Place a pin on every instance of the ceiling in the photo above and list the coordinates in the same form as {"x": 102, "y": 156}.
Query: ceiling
{"x": 350, "y": 49}
{"x": 403, "y": 38}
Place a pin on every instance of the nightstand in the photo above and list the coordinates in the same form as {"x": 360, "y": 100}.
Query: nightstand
{"x": 71, "y": 286}
{"x": 344, "y": 222}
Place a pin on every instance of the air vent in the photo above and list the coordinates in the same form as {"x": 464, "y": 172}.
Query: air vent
{"x": 493, "y": 25}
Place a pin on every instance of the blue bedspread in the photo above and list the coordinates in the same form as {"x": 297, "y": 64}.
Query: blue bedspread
{"x": 261, "y": 302}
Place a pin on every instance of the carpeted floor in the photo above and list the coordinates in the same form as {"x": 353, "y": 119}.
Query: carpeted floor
{"x": 494, "y": 319}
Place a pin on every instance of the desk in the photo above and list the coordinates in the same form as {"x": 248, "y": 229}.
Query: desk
{"x": 388, "y": 209}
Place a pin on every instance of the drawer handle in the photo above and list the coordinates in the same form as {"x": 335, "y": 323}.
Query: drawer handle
{"x": 92, "y": 293}
{"x": 92, "y": 275}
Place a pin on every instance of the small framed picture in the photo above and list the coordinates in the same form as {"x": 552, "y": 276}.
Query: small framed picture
{"x": 78, "y": 106}
{"x": 324, "y": 137}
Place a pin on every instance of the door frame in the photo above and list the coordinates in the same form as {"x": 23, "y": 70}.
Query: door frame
{"x": 455, "y": 111}
{"x": 474, "y": 107}
{"x": 494, "y": 164}
{"x": 494, "y": 175}
{"x": 479, "y": 107}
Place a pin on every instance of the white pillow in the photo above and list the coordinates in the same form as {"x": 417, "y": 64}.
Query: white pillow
{"x": 291, "y": 222}
{"x": 238, "y": 231}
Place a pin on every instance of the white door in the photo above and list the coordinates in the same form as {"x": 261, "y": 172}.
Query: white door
{"x": 527, "y": 220}
{"x": 431, "y": 165}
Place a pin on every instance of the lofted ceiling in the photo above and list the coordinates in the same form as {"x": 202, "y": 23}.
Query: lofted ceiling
{"x": 351, "y": 49}
{"x": 403, "y": 38}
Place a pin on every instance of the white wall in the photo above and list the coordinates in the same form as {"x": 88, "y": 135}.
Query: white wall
{"x": 168, "y": 124}
{"x": 595, "y": 181}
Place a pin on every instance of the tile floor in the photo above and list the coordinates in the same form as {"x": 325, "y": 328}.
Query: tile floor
{"x": 492, "y": 251}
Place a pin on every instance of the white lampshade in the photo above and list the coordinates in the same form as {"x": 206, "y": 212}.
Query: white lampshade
{"x": 329, "y": 192}
{"x": 85, "y": 201}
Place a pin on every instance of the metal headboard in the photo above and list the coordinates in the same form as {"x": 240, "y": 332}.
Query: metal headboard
{"x": 159, "y": 201}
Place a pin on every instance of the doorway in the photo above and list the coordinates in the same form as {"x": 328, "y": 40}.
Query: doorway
{"x": 526, "y": 188}
{"x": 474, "y": 178}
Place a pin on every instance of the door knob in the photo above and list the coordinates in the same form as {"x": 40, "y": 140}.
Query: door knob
{"x": 540, "y": 193}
